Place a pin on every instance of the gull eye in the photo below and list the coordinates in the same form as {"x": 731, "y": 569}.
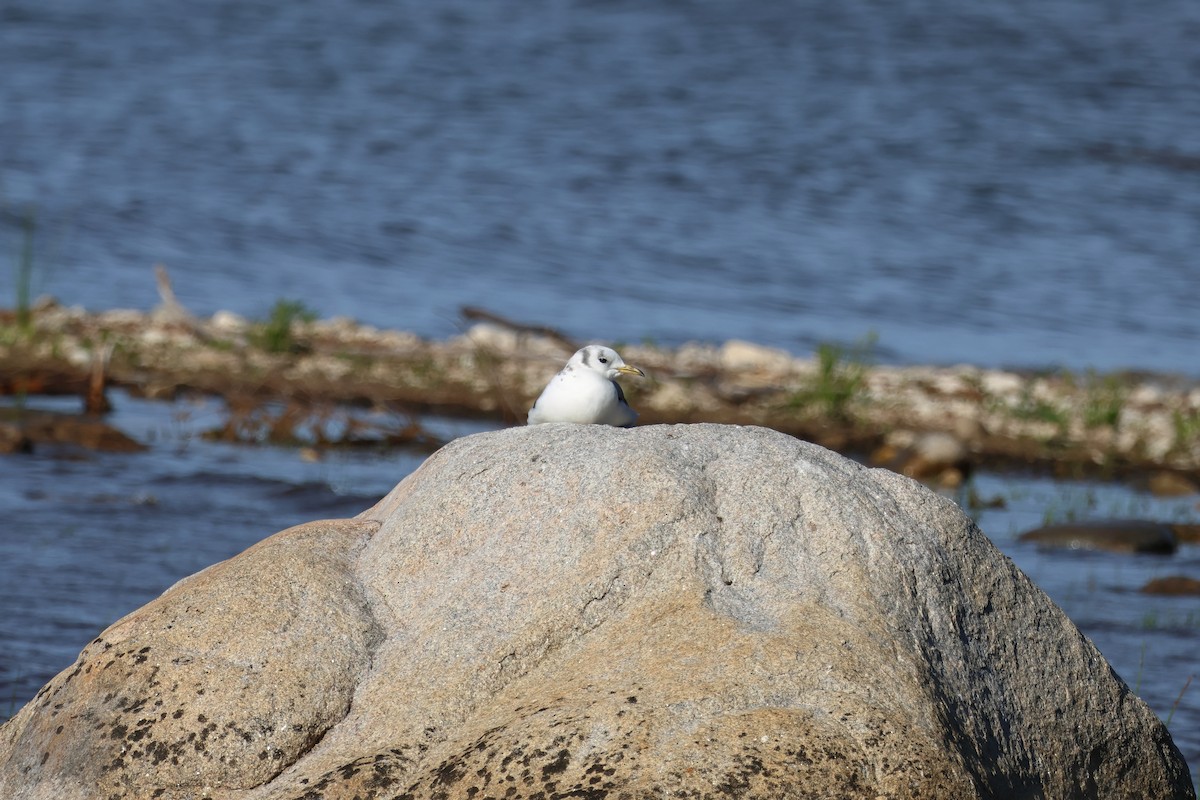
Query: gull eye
{"x": 603, "y": 360}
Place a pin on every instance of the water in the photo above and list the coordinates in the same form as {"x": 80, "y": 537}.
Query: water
{"x": 1002, "y": 184}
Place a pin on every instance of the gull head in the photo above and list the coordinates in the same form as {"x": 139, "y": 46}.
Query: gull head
{"x": 603, "y": 361}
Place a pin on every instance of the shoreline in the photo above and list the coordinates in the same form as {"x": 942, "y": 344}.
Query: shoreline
{"x": 928, "y": 422}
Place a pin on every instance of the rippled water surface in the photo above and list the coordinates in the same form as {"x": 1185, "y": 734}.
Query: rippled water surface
{"x": 1005, "y": 183}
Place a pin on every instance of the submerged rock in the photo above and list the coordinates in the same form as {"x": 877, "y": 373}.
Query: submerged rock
{"x": 13, "y": 439}
{"x": 1118, "y": 536}
{"x": 23, "y": 430}
{"x": 584, "y": 611}
{"x": 1174, "y": 585}
{"x": 1186, "y": 533}
{"x": 1171, "y": 484}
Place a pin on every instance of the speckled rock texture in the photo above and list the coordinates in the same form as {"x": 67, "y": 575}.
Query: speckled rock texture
{"x": 563, "y": 611}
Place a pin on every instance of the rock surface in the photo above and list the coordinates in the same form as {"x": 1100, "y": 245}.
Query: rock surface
{"x": 583, "y": 611}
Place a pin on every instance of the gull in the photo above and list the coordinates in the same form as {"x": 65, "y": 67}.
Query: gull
{"x": 585, "y": 391}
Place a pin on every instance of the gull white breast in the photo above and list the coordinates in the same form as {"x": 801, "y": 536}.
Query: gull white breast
{"x": 586, "y": 391}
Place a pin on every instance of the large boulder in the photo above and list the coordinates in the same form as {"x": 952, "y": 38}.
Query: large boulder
{"x": 584, "y": 611}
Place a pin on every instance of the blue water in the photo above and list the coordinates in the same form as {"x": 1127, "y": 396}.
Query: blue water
{"x": 1004, "y": 184}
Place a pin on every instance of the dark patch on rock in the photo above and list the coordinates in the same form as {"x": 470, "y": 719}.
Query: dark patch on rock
{"x": 558, "y": 765}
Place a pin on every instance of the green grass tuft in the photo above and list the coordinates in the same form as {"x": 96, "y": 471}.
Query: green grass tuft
{"x": 276, "y": 335}
{"x": 1103, "y": 401}
{"x": 840, "y": 379}
{"x": 1187, "y": 428}
{"x": 24, "y": 272}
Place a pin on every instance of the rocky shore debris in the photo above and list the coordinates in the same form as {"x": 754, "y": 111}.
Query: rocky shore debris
{"x": 1069, "y": 425}
{"x": 756, "y": 617}
{"x": 939, "y": 458}
{"x": 319, "y": 425}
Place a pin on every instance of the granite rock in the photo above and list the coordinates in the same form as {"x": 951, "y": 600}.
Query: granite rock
{"x": 585, "y": 611}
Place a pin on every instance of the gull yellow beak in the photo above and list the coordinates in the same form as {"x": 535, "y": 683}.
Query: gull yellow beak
{"x": 628, "y": 370}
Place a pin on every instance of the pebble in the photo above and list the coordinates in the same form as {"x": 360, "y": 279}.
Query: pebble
{"x": 228, "y": 322}
{"x": 1002, "y": 384}
{"x": 497, "y": 339}
{"x": 737, "y": 354}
